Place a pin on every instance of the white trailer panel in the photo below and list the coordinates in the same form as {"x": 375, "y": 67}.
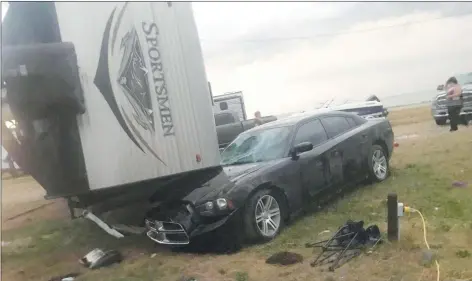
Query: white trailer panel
{"x": 148, "y": 105}
{"x": 231, "y": 101}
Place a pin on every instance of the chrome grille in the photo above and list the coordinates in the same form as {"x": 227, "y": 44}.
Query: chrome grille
{"x": 467, "y": 98}
{"x": 441, "y": 102}
{"x": 168, "y": 233}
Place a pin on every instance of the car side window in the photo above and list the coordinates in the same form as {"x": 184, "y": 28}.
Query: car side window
{"x": 351, "y": 122}
{"x": 311, "y": 131}
{"x": 335, "y": 125}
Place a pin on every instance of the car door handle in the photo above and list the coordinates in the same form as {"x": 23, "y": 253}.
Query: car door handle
{"x": 319, "y": 164}
{"x": 335, "y": 153}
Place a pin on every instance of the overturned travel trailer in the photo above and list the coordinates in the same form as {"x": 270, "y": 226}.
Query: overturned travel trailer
{"x": 112, "y": 101}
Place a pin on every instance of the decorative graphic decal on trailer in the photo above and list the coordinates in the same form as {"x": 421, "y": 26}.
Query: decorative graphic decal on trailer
{"x": 134, "y": 81}
{"x": 126, "y": 85}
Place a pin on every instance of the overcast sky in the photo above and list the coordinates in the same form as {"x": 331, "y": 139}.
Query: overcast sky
{"x": 335, "y": 56}
{"x": 343, "y": 51}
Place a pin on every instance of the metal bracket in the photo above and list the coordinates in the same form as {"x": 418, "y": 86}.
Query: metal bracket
{"x": 102, "y": 224}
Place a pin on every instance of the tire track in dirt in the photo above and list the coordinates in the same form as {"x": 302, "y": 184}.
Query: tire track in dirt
{"x": 22, "y": 201}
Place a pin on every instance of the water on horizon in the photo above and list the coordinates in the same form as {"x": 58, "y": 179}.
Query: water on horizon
{"x": 407, "y": 99}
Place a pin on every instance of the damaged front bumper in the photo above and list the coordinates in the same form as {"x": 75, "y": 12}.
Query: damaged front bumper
{"x": 179, "y": 227}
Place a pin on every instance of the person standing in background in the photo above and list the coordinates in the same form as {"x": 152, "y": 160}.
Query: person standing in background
{"x": 454, "y": 102}
{"x": 258, "y": 118}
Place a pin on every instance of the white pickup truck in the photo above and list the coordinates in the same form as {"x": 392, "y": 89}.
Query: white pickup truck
{"x": 439, "y": 106}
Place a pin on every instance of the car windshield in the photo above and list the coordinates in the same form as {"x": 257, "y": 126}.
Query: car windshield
{"x": 257, "y": 146}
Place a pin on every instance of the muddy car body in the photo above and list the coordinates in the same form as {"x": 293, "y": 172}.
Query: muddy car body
{"x": 271, "y": 172}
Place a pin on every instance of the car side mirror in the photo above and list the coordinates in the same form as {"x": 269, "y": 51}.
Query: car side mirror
{"x": 440, "y": 87}
{"x": 300, "y": 148}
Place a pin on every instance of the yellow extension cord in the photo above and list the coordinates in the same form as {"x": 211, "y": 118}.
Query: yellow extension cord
{"x": 409, "y": 210}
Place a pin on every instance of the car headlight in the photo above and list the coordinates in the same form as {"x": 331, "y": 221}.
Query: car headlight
{"x": 215, "y": 207}
{"x": 209, "y": 206}
{"x": 221, "y": 203}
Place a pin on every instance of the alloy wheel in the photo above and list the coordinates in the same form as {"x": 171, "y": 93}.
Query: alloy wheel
{"x": 379, "y": 164}
{"x": 267, "y": 215}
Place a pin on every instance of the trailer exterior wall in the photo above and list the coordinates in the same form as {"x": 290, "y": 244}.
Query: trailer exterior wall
{"x": 148, "y": 106}
{"x": 234, "y": 102}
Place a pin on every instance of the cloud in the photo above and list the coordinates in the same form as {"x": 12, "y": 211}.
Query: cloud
{"x": 285, "y": 75}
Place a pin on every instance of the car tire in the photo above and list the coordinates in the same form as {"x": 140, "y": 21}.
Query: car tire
{"x": 440, "y": 121}
{"x": 379, "y": 168}
{"x": 261, "y": 222}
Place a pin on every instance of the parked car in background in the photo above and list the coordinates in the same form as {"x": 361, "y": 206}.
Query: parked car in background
{"x": 368, "y": 109}
{"x": 273, "y": 171}
{"x": 229, "y": 126}
{"x": 439, "y": 103}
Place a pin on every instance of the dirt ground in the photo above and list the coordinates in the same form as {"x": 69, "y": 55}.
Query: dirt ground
{"x": 23, "y": 202}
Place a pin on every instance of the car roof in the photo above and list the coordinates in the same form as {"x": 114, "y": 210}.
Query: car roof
{"x": 296, "y": 118}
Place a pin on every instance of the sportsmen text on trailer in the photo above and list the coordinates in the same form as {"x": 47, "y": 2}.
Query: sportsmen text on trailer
{"x": 151, "y": 31}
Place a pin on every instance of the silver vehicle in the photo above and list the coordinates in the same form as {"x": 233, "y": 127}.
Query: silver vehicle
{"x": 439, "y": 104}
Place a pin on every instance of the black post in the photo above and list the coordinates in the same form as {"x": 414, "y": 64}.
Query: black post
{"x": 392, "y": 217}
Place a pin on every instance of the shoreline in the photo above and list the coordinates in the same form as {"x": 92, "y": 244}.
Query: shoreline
{"x": 409, "y": 106}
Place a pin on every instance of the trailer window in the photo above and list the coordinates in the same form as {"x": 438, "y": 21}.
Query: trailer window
{"x": 224, "y": 118}
{"x": 223, "y": 105}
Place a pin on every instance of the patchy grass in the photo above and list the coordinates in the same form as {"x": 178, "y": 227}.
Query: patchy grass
{"x": 423, "y": 169}
{"x": 409, "y": 116}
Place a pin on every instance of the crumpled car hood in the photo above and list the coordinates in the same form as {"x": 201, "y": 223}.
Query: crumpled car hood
{"x": 224, "y": 182}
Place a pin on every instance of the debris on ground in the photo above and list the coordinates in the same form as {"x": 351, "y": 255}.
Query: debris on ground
{"x": 459, "y": 184}
{"x": 346, "y": 244}
{"x": 16, "y": 244}
{"x": 68, "y": 277}
{"x": 324, "y": 231}
{"x": 5, "y": 243}
{"x": 100, "y": 258}
{"x": 285, "y": 258}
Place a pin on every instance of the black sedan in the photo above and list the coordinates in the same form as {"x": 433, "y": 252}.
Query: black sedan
{"x": 273, "y": 171}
